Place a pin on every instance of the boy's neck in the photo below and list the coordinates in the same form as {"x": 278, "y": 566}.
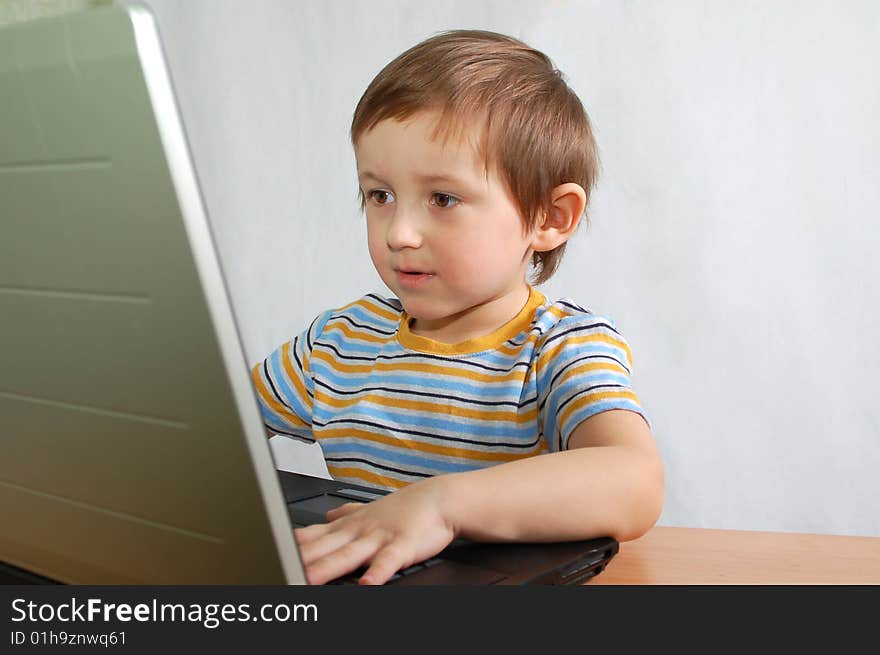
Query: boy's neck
{"x": 474, "y": 322}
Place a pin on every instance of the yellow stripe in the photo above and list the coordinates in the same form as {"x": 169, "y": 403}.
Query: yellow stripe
{"x": 383, "y": 480}
{"x": 429, "y": 369}
{"x": 434, "y": 408}
{"x": 292, "y": 373}
{"x": 594, "y": 398}
{"x": 585, "y": 368}
{"x": 563, "y": 343}
{"x": 426, "y": 448}
{"x": 366, "y": 476}
{"x": 268, "y": 398}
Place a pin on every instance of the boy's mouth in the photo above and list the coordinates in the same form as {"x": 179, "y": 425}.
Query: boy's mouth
{"x": 411, "y": 271}
{"x": 411, "y": 279}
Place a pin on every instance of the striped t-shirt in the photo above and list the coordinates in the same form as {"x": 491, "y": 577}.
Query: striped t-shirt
{"x": 390, "y": 407}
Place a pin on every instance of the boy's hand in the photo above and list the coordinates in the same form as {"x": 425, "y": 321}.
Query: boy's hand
{"x": 391, "y": 533}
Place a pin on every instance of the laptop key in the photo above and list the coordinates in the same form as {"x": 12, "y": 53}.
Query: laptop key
{"x": 355, "y": 494}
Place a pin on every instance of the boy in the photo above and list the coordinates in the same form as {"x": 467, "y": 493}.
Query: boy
{"x": 494, "y": 414}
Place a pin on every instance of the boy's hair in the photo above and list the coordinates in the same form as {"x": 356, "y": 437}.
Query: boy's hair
{"x": 536, "y": 131}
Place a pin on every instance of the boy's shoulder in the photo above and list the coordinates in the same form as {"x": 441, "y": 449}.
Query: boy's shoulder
{"x": 566, "y": 314}
{"x": 565, "y": 323}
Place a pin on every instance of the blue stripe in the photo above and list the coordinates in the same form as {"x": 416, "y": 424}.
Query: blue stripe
{"x": 577, "y": 386}
{"x": 324, "y": 413}
{"x": 583, "y": 381}
{"x": 272, "y": 420}
{"x": 580, "y": 350}
{"x": 319, "y": 324}
{"x": 495, "y": 358}
{"x": 361, "y": 315}
{"x": 584, "y": 413}
{"x": 332, "y": 448}
{"x": 291, "y": 397}
{"x": 348, "y": 347}
{"x": 510, "y": 390}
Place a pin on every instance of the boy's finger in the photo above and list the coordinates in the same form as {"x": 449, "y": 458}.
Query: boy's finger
{"x": 386, "y": 563}
{"x": 343, "y": 510}
{"x": 309, "y": 533}
{"x": 325, "y": 544}
{"x": 343, "y": 560}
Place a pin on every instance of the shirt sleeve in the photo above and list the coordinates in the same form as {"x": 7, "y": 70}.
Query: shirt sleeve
{"x": 584, "y": 367}
{"x": 285, "y": 387}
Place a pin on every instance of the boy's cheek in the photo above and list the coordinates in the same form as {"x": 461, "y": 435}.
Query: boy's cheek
{"x": 379, "y": 257}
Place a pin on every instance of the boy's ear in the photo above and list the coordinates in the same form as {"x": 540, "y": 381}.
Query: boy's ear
{"x": 568, "y": 203}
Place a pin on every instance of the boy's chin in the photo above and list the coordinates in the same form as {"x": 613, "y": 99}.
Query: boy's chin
{"x": 421, "y": 309}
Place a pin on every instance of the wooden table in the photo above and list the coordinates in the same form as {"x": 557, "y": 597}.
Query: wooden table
{"x": 701, "y": 556}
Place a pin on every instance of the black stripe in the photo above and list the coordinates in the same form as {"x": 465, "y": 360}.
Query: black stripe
{"x": 578, "y": 328}
{"x": 420, "y": 356}
{"x": 431, "y": 435}
{"x": 571, "y": 305}
{"x": 578, "y": 394}
{"x": 379, "y": 466}
{"x": 525, "y": 337}
{"x": 364, "y": 327}
{"x": 582, "y": 392}
{"x": 580, "y": 359}
{"x": 426, "y": 394}
{"x": 387, "y": 303}
{"x": 288, "y": 434}
{"x": 570, "y": 364}
{"x": 295, "y": 356}
{"x": 302, "y": 371}
{"x": 352, "y": 358}
{"x": 309, "y": 331}
{"x": 272, "y": 386}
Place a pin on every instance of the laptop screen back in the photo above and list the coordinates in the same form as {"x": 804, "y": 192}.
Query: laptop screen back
{"x": 132, "y": 449}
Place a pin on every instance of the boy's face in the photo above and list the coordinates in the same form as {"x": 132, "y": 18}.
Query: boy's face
{"x": 451, "y": 246}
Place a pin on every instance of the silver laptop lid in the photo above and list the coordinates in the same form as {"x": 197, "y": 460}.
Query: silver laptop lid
{"x": 132, "y": 447}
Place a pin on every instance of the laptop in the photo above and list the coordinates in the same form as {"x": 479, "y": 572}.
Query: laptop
{"x": 133, "y": 450}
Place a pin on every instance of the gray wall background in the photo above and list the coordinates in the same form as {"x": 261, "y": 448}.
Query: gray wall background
{"x": 734, "y": 228}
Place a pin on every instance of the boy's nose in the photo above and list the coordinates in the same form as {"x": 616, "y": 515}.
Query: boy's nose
{"x": 403, "y": 231}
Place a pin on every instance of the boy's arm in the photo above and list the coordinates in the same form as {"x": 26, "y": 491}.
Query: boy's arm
{"x": 609, "y": 483}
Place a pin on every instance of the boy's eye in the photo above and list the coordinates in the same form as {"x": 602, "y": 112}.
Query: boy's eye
{"x": 380, "y": 197}
{"x": 445, "y": 201}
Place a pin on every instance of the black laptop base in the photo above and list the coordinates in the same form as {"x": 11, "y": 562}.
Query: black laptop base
{"x": 462, "y": 562}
